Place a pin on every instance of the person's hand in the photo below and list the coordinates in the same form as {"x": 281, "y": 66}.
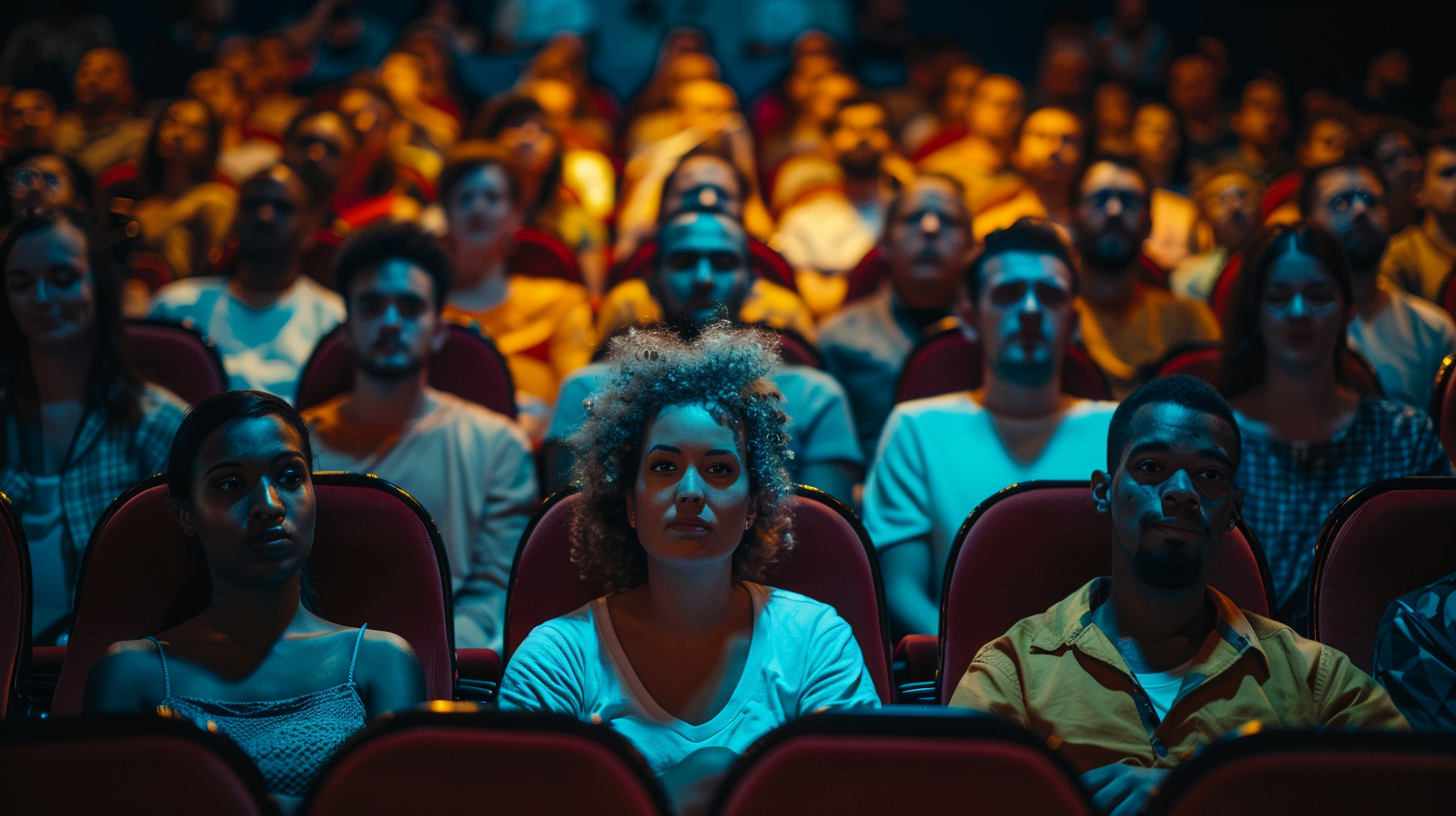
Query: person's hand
{"x": 1122, "y": 790}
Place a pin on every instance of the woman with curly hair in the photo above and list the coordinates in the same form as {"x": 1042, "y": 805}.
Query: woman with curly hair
{"x": 685, "y": 502}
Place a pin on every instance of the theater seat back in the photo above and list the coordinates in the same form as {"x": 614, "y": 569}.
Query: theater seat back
{"x": 832, "y": 562}
{"x": 865, "y": 279}
{"x": 508, "y": 762}
{"x": 1443, "y": 406}
{"x": 468, "y": 366}
{"x": 1388, "y": 539}
{"x": 935, "y": 762}
{"x": 541, "y": 254}
{"x": 125, "y": 765}
{"x": 177, "y": 357}
{"x": 946, "y": 361}
{"x": 1200, "y": 361}
{"x": 15, "y": 602}
{"x": 1035, "y": 543}
{"x": 377, "y": 559}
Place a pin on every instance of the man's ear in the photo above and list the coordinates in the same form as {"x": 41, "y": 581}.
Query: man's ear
{"x": 183, "y": 514}
{"x": 1101, "y": 490}
{"x": 1236, "y": 509}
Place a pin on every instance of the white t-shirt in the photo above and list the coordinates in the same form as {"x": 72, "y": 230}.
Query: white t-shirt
{"x": 264, "y": 349}
{"x": 802, "y": 657}
{"x": 1162, "y": 687}
{"x": 941, "y": 457}
{"x": 1405, "y": 343}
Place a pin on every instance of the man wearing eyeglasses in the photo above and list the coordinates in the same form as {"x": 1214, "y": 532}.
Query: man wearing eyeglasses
{"x": 940, "y": 457}
{"x": 1128, "y": 323}
{"x": 1404, "y": 337}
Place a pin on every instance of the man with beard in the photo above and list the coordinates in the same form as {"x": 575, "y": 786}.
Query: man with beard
{"x": 1133, "y": 674}
{"x": 702, "y": 276}
{"x": 470, "y": 467}
{"x": 1048, "y": 155}
{"x": 1404, "y": 337}
{"x": 1127, "y": 325}
{"x": 1227, "y": 198}
{"x": 1422, "y": 255}
{"x": 926, "y": 244}
{"x": 265, "y": 318}
{"x": 941, "y": 457}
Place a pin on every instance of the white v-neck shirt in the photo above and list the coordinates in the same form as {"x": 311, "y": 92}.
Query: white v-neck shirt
{"x": 802, "y": 657}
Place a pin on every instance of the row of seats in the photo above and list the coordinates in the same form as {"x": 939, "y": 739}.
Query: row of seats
{"x": 457, "y": 759}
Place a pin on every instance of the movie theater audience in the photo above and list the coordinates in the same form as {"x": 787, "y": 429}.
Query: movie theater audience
{"x": 1422, "y": 255}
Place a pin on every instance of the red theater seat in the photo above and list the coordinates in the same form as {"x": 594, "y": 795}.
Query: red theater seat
{"x": 15, "y": 604}
{"x": 126, "y": 765}
{"x": 1390, "y": 538}
{"x": 1443, "y": 406}
{"x": 1330, "y": 773}
{"x": 762, "y": 260}
{"x": 926, "y": 762}
{"x": 541, "y": 254}
{"x": 1202, "y": 361}
{"x": 832, "y": 561}
{"x": 867, "y": 275}
{"x": 177, "y": 357}
{"x": 1033, "y": 544}
{"x": 794, "y": 349}
{"x": 1447, "y": 298}
{"x": 945, "y": 361}
{"x": 468, "y": 366}
{"x": 456, "y": 759}
{"x": 377, "y": 559}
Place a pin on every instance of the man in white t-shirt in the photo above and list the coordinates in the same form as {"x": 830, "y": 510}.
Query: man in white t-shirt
{"x": 266, "y": 318}
{"x": 941, "y": 457}
{"x": 470, "y": 468}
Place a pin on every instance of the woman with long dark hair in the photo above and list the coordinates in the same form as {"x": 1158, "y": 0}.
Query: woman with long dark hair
{"x": 79, "y": 428}
{"x": 1309, "y": 437}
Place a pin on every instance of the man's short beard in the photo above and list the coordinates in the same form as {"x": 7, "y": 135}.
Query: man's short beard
{"x": 860, "y": 168}
{"x": 1169, "y": 571}
{"x": 391, "y": 373}
{"x": 1364, "y": 255}
{"x": 1111, "y": 250}
{"x": 1026, "y": 374}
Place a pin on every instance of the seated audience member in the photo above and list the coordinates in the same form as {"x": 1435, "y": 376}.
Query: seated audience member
{"x": 950, "y": 94}
{"x": 319, "y": 145}
{"x": 926, "y": 243}
{"x": 30, "y": 120}
{"x": 1157, "y": 148}
{"x": 270, "y": 84}
{"x": 685, "y": 489}
{"x": 267, "y": 317}
{"x": 1309, "y": 440}
{"x": 701, "y": 275}
{"x": 181, "y": 212}
{"x": 1133, "y": 674}
{"x": 1324, "y": 138}
{"x": 543, "y": 326}
{"x": 256, "y": 663}
{"x": 102, "y": 131}
{"x": 42, "y": 179}
{"x": 1228, "y": 202}
{"x": 806, "y": 131}
{"x": 239, "y": 154}
{"x": 1132, "y": 48}
{"x": 1193, "y": 81}
{"x": 981, "y": 160}
{"x": 1415, "y": 659}
{"x": 387, "y": 174}
{"x": 1422, "y": 255}
{"x": 1262, "y": 125}
{"x": 1404, "y": 337}
{"x": 1048, "y": 156}
{"x": 470, "y": 467}
{"x": 79, "y": 428}
{"x": 1112, "y": 115}
{"x": 1018, "y": 426}
{"x": 1127, "y": 324}
{"x": 402, "y": 76}
{"x": 1394, "y": 151}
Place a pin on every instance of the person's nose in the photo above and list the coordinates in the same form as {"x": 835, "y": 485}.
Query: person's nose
{"x": 931, "y": 223}
{"x": 690, "y": 487}
{"x": 390, "y": 318}
{"x": 1298, "y": 306}
{"x": 1113, "y": 208}
{"x": 267, "y": 504}
{"x": 1179, "y": 489}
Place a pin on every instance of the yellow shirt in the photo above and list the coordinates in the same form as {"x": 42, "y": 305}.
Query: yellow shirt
{"x": 1059, "y": 675}
{"x": 1156, "y": 322}
{"x": 544, "y": 329}
{"x": 630, "y": 303}
{"x": 985, "y": 186}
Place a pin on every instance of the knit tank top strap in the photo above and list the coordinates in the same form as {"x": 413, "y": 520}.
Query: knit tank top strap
{"x": 167, "y": 676}
{"x": 359, "y": 638}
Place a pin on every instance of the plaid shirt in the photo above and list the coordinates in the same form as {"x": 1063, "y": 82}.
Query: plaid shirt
{"x": 1290, "y": 487}
{"x": 1415, "y": 655}
{"x": 103, "y": 462}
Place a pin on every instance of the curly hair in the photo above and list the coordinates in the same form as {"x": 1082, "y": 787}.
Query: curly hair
{"x": 727, "y": 369}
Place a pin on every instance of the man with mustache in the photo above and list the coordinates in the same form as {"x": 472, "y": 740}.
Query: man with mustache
{"x": 940, "y": 457}
{"x": 926, "y": 240}
{"x": 1404, "y": 337}
{"x": 470, "y": 467}
{"x": 1132, "y": 674}
{"x": 1127, "y": 324}
{"x": 266, "y": 317}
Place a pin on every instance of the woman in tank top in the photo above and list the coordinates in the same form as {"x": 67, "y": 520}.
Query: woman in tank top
{"x": 288, "y": 686}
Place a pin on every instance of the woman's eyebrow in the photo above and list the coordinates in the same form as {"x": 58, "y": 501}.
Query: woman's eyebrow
{"x": 668, "y": 448}
{"x": 721, "y": 452}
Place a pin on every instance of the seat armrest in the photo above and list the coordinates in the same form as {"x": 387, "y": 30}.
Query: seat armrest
{"x": 920, "y": 655}
{"x": 479, "y": 674}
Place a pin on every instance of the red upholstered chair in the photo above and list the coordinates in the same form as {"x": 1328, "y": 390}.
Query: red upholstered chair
{"x": 928, "y": 761}
{"x": 15, "y": 601}
{"x": 468, "y": 366}
{"x": 1332, "y": 773}
{"x": 151, "y": 269}
{"x": 795, "y": 349}
{"x": 1199, "y": 360}
{"x": 126, "y": 765}
{"x": 762, "y": 259}
{"x": 1447, "y": 298}
{"x": 177, "y": 357}
{"x": 945, "y": 361}
{"x": 1222, "y": 296}
{"x": 543, "y": 255}
{"x": 1443, "y": 406}
{"x": 1033, "y": 544}
{"x": 377, "y": 559}
{"x": 832, "y": 561}
{"x": 867, "y": 275}
{"x": 458, "y": 759}
{"x": 1388, "y": 539}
